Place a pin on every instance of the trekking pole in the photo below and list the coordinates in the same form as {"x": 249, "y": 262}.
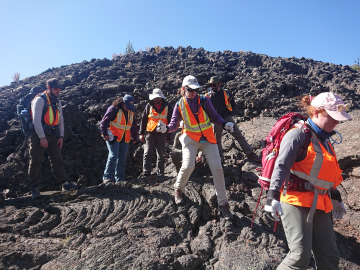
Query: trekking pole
{"x": 252, "y": 221}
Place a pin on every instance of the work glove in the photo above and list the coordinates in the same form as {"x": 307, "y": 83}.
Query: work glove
{"x": 338, "y": 209}
{"x": 142, "y": 138}
{"x": 161, "y": 127}
{"x": 274, "y": 209}
{"x": 229, "y": 126}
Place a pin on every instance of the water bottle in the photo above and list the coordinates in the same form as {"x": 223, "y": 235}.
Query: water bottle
{"x": 25, "y": 115}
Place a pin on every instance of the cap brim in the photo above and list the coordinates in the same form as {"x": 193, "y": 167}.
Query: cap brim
{"x": 131, "y": 108}
{"x": 339, "y": 116}
{"x": 194, "y": 86}
{"x": 151, "y": 96}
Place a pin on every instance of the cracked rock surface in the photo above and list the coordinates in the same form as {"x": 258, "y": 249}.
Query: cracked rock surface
{"x": 136, "y": 224}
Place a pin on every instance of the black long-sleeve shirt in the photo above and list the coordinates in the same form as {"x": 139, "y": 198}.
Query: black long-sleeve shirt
{"x": 218, "y": 101}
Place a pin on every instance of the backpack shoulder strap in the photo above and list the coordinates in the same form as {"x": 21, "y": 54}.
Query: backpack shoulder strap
{"x": 308, "y": 136}
{"x": 203, "y": 102}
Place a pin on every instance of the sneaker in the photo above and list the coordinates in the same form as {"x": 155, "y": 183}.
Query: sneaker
{"x": 69, "y": 186}
{"x": 178, "y": 196}
{"x": 225, "y": 211}
{"x": 35, "y": 193}
{"x": 254, "y": 157}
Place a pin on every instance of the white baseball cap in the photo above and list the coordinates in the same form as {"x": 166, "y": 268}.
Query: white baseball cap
{"x": 333, "y": 105}
{"x": 191, "y": 82}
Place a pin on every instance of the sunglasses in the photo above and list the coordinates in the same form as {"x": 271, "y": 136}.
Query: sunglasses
{"x": 343, "y": 107}
{"x": 190, "y": 89}
{"x": 213, "y": 85}
{"x": 339, "y": 108}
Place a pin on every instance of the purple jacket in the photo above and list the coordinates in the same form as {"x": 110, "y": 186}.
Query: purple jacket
{"x": 193, "y": 104}
{"x": 109, "y": 116}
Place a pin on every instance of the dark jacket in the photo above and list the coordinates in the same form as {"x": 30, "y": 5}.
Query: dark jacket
{"x": 218, "y": 101}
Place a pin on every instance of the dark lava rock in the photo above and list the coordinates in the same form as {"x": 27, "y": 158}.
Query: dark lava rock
{"x": 136, "y": 225}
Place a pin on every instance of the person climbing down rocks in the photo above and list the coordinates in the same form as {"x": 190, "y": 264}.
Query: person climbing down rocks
{"x": 157, "y": 109}
{"x": 224, "y": 105}
{"x": 196, "y": 112}
{"x": 303, "y": 186}
{"x": 118, "y": 127}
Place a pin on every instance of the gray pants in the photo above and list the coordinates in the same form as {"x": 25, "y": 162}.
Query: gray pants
{"x": 302, "y": 237}
{"x": 154, "y": 141}
{"x": 218, "y": 131}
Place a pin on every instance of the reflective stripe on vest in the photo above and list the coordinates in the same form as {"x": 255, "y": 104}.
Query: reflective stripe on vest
{"x": 50, "y": 118}
{"x": 322, "y": 170}
{"x": 313, "y": 174}
{"x": 192, "y": 127}
{"x": 119, "y": 127}
{"x": 154, "y": 117}
{"x": 227, "y": 101}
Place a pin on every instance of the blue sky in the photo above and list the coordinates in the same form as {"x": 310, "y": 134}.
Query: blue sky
{"x": 36, "y": 34}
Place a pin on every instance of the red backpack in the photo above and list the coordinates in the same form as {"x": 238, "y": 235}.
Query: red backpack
{"x": 271, "y": 145}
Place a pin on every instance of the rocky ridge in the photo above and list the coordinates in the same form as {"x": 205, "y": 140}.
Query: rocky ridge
{"x": 137, "y": 225}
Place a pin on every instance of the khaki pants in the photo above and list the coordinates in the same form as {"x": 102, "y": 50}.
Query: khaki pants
{"x": 218, "y": 131}
{"x": 190, "y": 149}
{"x": 36, "y": 153}
{"x": 304, "y": 237}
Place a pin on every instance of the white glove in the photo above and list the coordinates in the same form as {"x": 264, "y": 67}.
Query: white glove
{"x": 229, "y": 126}
{"x": 338, "y": 209}
{"x": 161, "y": 127}
{"x": 274, "y": 209}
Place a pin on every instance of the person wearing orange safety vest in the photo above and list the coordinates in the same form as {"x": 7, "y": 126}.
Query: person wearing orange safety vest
{"x": 197, "y": 113}
{"x": 224, "y": 105}
{"x": 156, "y": 110}
{"x": 303, "y": 186}
{"x": 117, "y": 128}
{"x": 47, "y": 136}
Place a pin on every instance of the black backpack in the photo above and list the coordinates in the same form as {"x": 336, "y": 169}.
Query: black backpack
{"x": 23, "y": 109}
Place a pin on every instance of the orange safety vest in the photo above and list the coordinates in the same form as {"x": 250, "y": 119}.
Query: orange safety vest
{"x": 322, "y": 170}
{"x": 192, "y": 127}
{"x": 227, "y": 101}
{"x": 154, "y": 117}
{"x": 119, "y": 126}
{"x": 50, "y": 118}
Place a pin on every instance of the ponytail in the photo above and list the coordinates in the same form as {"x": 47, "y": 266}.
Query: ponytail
{"x": 305, "y": 104}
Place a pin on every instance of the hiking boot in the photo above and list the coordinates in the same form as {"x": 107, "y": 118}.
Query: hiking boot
{"x": 144, "y": 175}
{"x": 178, "y": 196}
{"x": 254, "y": 157}
{"x": 35, "y": 193}
{"x": 69, "y": 186}
{"x": 108, "y": 182}
{"x": 225, "y": 211}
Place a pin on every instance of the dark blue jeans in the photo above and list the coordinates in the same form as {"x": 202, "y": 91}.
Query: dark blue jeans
{"x": 116, "y": 161}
